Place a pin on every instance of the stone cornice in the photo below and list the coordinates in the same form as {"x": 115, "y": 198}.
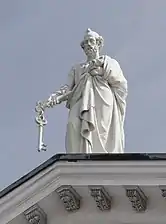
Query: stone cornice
{"x": 117, "y": 173}
{"x": 84, "y": 157}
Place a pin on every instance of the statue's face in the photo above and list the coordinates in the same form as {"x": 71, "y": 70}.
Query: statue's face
{"x": 90, "y": 46}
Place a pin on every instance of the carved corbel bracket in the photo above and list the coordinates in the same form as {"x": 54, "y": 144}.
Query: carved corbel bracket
{"x": 69, "y": 197}
{"x": 163, "y": 191}
{"x": 101, "y": 197}
{"x": 35, "y": 215}
{"x": 137, "y": 198}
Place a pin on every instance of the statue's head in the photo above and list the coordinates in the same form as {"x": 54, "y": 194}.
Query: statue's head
{"x": 92, "y": 43}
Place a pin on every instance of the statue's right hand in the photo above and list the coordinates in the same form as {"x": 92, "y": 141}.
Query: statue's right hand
{"x": 57, "y": 100}
{"x": 53, "y": 100}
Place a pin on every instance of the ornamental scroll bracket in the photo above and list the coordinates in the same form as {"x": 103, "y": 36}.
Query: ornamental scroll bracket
{"x": 101, "y": 197}
{"x": 70, "y": 198}
{"x": 137, "y": 198}
{"x": 35, "y": 215}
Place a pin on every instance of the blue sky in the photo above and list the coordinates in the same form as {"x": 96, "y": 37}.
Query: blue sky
{"x": 39, "y": 42}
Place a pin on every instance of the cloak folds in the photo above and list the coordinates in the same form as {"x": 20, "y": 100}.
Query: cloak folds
{"x": 97, "y": 107}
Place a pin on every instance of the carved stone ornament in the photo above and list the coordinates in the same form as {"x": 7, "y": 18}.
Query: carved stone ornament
{"x": 35, "y": 215}
{"x": 101, "y": 197}
{"x": 137, "y": 198}
{"x": 163, "y": 191}
{"x": 69, "y": 197}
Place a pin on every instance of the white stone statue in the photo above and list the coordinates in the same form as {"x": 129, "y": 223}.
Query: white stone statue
{"x": 95, "y": 95}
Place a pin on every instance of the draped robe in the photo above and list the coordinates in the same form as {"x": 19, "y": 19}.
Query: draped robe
{"x": 97, "y": 105}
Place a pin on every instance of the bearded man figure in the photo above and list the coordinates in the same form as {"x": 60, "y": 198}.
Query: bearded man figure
{"x": 96, "y": 102}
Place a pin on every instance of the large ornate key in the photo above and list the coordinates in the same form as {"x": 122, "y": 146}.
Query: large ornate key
{"x": 54, "y": 99}
{"x": 41, "y": 121}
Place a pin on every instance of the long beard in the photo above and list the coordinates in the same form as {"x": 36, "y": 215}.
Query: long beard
{"x": 89, "y": 51}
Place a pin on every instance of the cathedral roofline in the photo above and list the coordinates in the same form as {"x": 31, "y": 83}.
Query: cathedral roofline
{"x": 83, "y": 157}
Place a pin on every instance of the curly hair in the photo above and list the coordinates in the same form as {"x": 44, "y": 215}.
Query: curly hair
{"x": 99, "y": 39}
